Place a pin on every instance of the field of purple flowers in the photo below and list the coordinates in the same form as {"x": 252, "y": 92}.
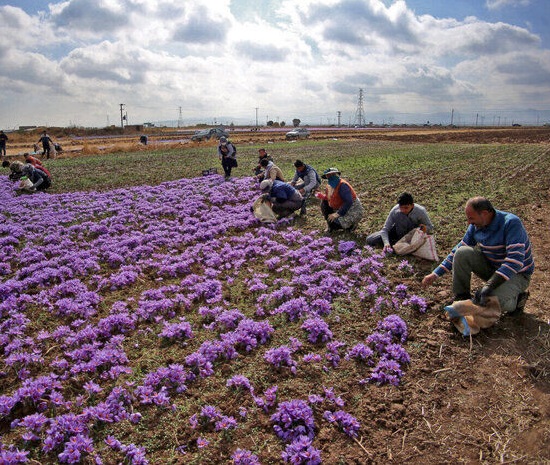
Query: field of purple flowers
{"x": 162, "y": 323}
{"x": 166, "y": 325}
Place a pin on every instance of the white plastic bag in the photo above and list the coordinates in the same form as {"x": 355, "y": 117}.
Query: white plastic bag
{"x": 262, "y": 211}
{"x": 427, "y": 251}
{"x": 410, "y": 242}
{"x": 25, "y": 183}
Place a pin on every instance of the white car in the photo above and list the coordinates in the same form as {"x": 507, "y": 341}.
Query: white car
{"x": 297, "y": 133}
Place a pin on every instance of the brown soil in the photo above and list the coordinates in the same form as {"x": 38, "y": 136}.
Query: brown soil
{"x": 484, "y": 400}
{"x": 479, "y": 400}
{"x": 86, "y": 144}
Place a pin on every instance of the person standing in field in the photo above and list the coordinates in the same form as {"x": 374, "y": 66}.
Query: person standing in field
{"x": 496, "y": 247}
{"x": 3, "y": 141}
{"x": 46, "y": 143}
{"x": 403, "y": 217}
{"x": 228, "y": 156}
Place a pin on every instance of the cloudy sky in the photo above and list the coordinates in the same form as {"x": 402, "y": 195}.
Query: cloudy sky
{"x": 74, "y": 62}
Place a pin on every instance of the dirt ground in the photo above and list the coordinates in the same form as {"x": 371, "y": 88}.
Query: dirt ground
{"x": 484, "y": 400}
{"x": 88, "y": 143}
{"x": 479, "y": 400}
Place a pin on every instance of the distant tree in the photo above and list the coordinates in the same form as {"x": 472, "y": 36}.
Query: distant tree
{"x": 283, "y": 124}
{"x": 270, "y": 123}
{"x": 296, "y": 122}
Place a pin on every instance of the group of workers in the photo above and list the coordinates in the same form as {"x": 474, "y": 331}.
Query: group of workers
{"x": 340, "y": 204}
{"x": 31, "y": 176}
{"x": 495, "y": 247}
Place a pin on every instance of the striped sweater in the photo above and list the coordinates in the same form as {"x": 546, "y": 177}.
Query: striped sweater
{"x": 504, "y": 243}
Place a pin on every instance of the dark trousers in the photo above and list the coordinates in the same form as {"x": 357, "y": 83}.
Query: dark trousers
{"x": 227, "y": 164}
{"x": 288, "y": 206}
{"x": 46, "y": 148}
{"x": 326, "y": 210}
{"x": 375, "y": 239}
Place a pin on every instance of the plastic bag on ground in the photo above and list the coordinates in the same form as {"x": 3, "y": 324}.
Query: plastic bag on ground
{"x": 262, "y": 210}
{"x": 410, "y": 242}
{"x": 469, "y": 318}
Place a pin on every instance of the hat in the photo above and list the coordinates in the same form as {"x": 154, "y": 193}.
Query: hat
{"x": 330, "y": 171}
{"x": 223, "y": 139}
{"x": 266, "y": 185}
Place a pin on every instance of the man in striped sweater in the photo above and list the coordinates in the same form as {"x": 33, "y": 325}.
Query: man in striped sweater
{"x": 496, "y": 248}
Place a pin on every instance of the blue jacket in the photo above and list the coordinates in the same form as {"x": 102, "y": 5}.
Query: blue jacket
{"x": 282, "y": 191}
{"x": 504, "y": 243}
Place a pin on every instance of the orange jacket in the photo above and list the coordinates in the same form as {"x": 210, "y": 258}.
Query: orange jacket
{"x": 335, "y": 201}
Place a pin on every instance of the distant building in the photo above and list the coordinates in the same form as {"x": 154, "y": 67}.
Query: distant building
{"x": 26, "y": 128}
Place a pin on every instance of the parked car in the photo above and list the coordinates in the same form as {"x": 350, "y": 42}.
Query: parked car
{"x": 297, "y": 133}
{"x": 207, "y": 134}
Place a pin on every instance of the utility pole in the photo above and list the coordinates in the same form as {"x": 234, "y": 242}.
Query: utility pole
{"x": 256, "y": 117}
{"x": 452, "y": 115}
{"x": 122, "y": 115}
{"x": 339, "y": 114}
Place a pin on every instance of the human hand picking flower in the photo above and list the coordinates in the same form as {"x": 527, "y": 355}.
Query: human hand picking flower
{"x": 333, "y": 216}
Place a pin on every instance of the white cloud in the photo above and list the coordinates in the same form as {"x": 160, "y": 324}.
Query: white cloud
{"x": 303, "y": 58}
{"x": 496, "y": 4}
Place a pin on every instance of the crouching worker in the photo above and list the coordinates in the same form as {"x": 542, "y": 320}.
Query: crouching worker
{"x": 16, "y": 170}
{"x": 497, "y": 249}
{"x": 340, "y": 205}
{"x": 284, "y": 199}
{"x": 271, "y": 171}
{"x": 403, "y": 217}
{"x": 38, "y": 180}
{"x": 306, "y": 180}
{"x": 36, "y": 163}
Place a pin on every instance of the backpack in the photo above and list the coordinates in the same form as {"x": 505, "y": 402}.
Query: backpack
{"x": 234, "y": 148}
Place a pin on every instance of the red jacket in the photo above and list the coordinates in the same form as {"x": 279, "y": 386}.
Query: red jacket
{"x": 37, "y": 164}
